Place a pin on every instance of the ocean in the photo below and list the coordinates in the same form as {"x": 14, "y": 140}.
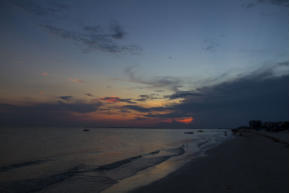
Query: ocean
{"x": 57, "y": 160}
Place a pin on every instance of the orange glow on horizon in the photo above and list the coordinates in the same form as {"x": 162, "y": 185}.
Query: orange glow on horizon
{"x": 128, "y": 118}
{"x": 185, "y": 120}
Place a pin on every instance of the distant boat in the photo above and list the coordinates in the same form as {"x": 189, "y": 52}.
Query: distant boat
{"x": 189, "y": 132}
{"x": 86, "y": 130}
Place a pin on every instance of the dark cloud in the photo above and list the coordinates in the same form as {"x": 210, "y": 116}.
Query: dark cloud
{"x": 90, "y": 37}
{"x": 89, "y": 94}
{"x": 260, "y": 95}
{"x": 66, "y": 98}
{"x": 127, "y": 101}
{"x": 42, "y": 7}
{"x": 118, "y": 32}
{"x": 143, "y": 109}
{"x": 171, "y": 115}
{"x": 283, "y": 3}
{"x": 183, "y": 94}
{"x": 170, "y": 83}
{"x": 210, "y": 45}
{"x": 117, "y": 100}
{"x": 145, "y": 97}
{"x": 286, "y": 63}
{"x": 249, "y": 5}
{"x": 44, "y": 114}
{"x": 96, "y": 38}
{"x": 159, "y": 90}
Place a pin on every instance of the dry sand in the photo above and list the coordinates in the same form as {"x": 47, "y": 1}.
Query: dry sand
{"x": 245, "y": 164}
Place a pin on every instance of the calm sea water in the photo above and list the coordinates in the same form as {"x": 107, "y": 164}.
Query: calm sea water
{"x": 100, "y": 160}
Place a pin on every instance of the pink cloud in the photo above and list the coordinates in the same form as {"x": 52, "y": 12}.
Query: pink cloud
{"x": 44, "y": 74}
{"x": 111, "y": 99}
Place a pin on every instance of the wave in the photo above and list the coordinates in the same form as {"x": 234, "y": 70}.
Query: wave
{"x": 22, "y": 164}
{"x": 202, "y": 143}
{"x": 170, "y": 153}
{"x": 34, "y": 185}
{"x": 118, "y": 163}
{"x": 177, "y": 151}
{"x": 100, "y": 177}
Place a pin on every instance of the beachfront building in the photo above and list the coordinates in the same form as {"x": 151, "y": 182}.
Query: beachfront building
{"x": 276, "y": 126}
{"x": 255, "y": 124}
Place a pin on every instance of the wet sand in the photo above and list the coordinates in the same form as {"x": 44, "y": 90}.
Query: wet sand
{"x": 248, "y": 163}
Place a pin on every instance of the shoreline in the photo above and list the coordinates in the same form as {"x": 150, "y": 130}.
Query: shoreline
{"x": 248, "y": 163}
{"x": 159, "y": 171}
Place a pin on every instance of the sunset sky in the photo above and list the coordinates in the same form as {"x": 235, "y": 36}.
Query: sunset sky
{"x": 153, "y": 63}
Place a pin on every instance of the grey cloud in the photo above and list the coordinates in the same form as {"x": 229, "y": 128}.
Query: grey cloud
{"x": 286, "y": 63}
{"x": 127, "y": 101}
{"x": 170, "y": 83}
{"x": 145, "y": 97}
{"x": 89, "y": 94}
{"x": 160, "y": 90}
{"x": 278, "y": 69}
{"x": 183, "y": 94}
{"x": 211, "y": 45}
{"x": 97, "y": 38}
{"x": 174, "y": 114}
{"x": 66, "y": 98}
{"x": 283, "y": 3}
{"x": 118, "y": 32}
{"x": 259, "y": 95}
{"x": 90, "y": 37}
{"x": 249, "y": 5}
{"x": 143, "y": 109}
{"x": 41, "y": 7}
{"x": 117, "y": 99}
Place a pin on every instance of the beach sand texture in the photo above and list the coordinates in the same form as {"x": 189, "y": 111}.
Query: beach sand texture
{"x": 245, "y": 164}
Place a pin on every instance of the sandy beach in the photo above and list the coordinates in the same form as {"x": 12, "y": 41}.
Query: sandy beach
{"x": 247, "y": 163}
